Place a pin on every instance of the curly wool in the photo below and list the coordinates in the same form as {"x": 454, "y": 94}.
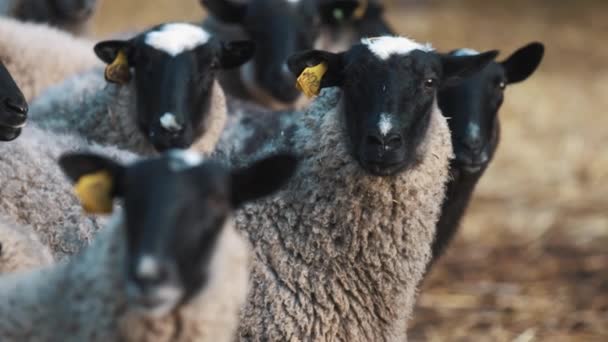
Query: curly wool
{"x": 85, "y": 299}
{"x": 339, "y": 253}
{"x": 103, "y": 113}
{"x": 20, "y": 248}
{"x": 39, "y": 56}
{"x": 35, "y": 191}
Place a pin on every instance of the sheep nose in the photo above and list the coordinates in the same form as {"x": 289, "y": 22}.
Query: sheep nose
{"x": 19, "y": 107}
{"x": 473, "y": 144}
{"x": 388, "y": 142}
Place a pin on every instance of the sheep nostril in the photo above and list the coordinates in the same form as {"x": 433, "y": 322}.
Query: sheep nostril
{"x": 374, "y": 140}
{"x": 18, "y": 107}
{"x": 394, "y": 142}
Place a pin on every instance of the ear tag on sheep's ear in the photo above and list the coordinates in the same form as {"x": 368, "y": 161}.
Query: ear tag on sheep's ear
{"x": 309, "y": 81}
{"x": 118, "y": 71}
{"x": 360, "y": 10}
{"x": 95, "y": 192}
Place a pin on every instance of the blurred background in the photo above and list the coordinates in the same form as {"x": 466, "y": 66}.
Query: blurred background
{"x": 531, "y": 262}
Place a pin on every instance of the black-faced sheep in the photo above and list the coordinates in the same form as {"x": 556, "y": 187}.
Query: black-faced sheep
{"x": 163, "y": 94}
{"x": 170, "y": 267}
{"x": 13, "y": 107}
{"x": 342, "y": 249}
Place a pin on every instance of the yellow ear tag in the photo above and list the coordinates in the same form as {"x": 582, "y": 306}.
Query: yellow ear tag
{"x": 118, "y": 71}
{"x": 361, "y": 9}
{"x": 95, "y": 192}
{"x": 309, "y": 81}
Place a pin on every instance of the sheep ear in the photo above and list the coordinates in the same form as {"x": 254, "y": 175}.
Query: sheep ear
{"x": 225, "y": 10}
{"x": 97, "y": 180}
{"x": 114, "y": 53}
{"x": 523, "y": 62}
{"x": 262, "y": 178}
{"x": 236, "y": 53}
{"x": 457, "y": 68}
{"x": 316, "y": 70}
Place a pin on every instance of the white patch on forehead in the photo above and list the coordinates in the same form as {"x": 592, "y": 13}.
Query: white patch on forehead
{"x": 385, "y": 125}
{"x": 385, "y": 46}
{"x": 176, "y": 38}
{"x": 184, "y": 159}
{"x": 465, "y": 52}
{"x": 473, "y": 130}
{"x": 147, "y": 267}
{"x": 169, "y": 122}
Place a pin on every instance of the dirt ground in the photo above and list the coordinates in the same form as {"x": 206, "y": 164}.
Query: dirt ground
{"x": 531, "y": 262}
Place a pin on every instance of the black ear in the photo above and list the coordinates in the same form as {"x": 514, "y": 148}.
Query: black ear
{"x": 334, "y": 12}
{"x": 226, "y": 10}
{"x": 456, "y": 68}
{"x": 334, "y": 77}
{"x": 262, "y": 178}
{"x": 523, "y": 62}
{"x": 107, "y": 50}
{"x": 236, "y": 53}
{"x": 76, "y": 165}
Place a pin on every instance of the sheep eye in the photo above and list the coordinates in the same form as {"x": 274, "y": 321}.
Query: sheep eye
{"x": 502, "y": 84}
{"x": 430, "y": 83}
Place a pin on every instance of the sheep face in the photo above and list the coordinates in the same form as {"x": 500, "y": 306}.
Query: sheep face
{"x": 13, "y": 107}
{"x": 389, "y": 86}
{"x": 279, "y": 28}
{"x": 175, "y": 207}
{"x": 473, "y": 104}
{"x": 174, "y": 66}
{"x": 74, "y": 9}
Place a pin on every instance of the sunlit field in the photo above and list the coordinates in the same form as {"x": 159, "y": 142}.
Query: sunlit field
{"x": 531, "y": 262}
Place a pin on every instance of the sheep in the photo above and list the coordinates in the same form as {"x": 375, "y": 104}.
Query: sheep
{"x": 33, "y": 191}
{"x": 70, "y": 15}
{"x": 339, "y": 252}
{"x": 20, "y": 248}
{"x": 39, "y": 56}
{"x": 169, "y": 267}
{"x": 472, "y": 107}
{"x": 172, "y": 100}
{"x": 13, "y": 107}
{"x": 279, "y": 28}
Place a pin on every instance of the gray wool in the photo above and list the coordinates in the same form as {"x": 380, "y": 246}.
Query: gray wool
{"x": 20, "y": 248}
{"x": 84, "y": 299}
{"x": 339, "y": 254}
{"x": 104, "y": 113}
{"x": 39, "y": 56}
{"x": 43, "y": 11}
{"x": 35, "y": 192}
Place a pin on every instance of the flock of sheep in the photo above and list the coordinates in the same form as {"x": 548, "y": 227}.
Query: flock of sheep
{"x": 241, "y": 209}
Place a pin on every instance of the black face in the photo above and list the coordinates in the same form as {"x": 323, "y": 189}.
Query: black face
{"x": 473, "y": 105}
{"x": 279, "y": 28}
{"x": 176, "y": 207}
{"x": 388, "y": 101}
{"x": 174, "y": 89}
{"x": 13, "y": 107}
{"x": 74, "y": 9}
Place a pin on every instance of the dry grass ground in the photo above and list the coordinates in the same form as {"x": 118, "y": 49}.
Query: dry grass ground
{"x": 531, "y": 262}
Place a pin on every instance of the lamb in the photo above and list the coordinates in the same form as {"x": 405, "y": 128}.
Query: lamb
{"x": 34, "y": 192}
{"x": 151, "y": 275}
{"x": 13, "y": 107}
{"x": 279, "y": 29}
{"x": 161, "y": 94}
{"x": 70, "y": 15}
{"x": 20, "y": 249}
{"x": 344, "y": 246}
{"x": 39, "y": 56}
{"x": 473, "y": 108}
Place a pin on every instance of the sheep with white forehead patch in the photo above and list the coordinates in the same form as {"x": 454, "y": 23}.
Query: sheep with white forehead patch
{"x": 344, "y": 246}
{"x": 70, "y": 15}
{"x": 39, "y": 56}
{"x": 162, "y": 92}
{"x": 20, "y": 248}
{"x": 171, "y": 267}
{"x": 35, "y": 193}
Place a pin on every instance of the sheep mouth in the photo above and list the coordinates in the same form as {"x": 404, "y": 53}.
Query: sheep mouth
{"x": 383, "y": 169}
{"x": 9, "y": 133}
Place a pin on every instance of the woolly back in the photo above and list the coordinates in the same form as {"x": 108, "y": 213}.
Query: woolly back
{"x": 342, "y": 237}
